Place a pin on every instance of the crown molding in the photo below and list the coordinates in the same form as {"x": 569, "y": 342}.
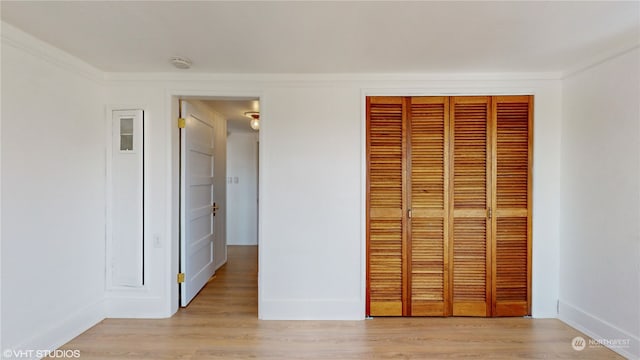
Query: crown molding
{"x": 325, "y": 78}
{"x": 628, "y": 43}
{"x": 14, "y": 37}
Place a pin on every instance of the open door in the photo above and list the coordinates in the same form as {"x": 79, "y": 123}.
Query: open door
{"x": 197, "y": 201}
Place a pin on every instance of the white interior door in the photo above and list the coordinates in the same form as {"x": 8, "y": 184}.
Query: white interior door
{"x": 197, "y": 208}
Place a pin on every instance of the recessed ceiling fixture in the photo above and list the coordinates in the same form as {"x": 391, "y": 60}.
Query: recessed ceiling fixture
{"x": 180, "y": 62}
{"x": 255, "y": 119}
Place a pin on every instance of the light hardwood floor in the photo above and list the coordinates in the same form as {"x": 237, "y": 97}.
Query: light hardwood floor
{"x": 221, "y": 323}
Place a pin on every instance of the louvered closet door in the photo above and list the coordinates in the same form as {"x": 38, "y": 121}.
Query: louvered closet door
{"x": 428, "y": 201}
{"x": 470, "y": 188}
{"x": 512, "y": 212}
{"x": 449, "y": 206}
{"x": 385, "y": 202}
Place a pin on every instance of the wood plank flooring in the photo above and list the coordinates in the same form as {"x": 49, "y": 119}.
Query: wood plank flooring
{"x": 221, "y": 323}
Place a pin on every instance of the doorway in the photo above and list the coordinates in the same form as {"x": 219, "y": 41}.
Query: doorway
{"x": 225, "y": 194}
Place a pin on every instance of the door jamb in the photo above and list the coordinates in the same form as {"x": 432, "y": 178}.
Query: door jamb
{"x": 173, "y": 185}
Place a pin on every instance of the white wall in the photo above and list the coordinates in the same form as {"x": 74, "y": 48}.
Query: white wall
{"x": 242, "y": 188}
{"x": 311, "y": 184}
{"x": 53, "y": 195}
{"x": 310, "y": 197}
{"x": 600, "y": 214}
{"x": 312, "y": 193}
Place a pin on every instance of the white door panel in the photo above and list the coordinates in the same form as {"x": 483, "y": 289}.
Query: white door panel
{"x": 197, "y": 229}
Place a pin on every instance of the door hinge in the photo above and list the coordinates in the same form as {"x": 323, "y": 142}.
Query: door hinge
{"x": 214, "y": 208}
{"x": 182, "y": 123}
{"x": 409, "y": 213}
{"x": 180, "y": 278}
{"x": 489, "y": 213}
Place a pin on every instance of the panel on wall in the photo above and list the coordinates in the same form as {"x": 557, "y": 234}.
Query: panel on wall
{"x": 428, "y": 203}
{"x": 127, "y": 200}
{"x": 242, "y": 195}
{"x": 512, "y": 211}
{"x": 470, "y": 187}
{"x": 385, "y": 203}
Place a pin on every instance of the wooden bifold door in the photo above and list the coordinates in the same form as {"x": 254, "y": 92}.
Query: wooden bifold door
{"x": 449, "y": 206}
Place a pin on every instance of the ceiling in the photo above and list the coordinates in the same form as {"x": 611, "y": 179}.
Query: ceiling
{"x": 331, "y": 36}
{"x": 233, "y": 110}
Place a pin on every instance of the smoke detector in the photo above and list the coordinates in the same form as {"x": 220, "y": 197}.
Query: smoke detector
{"x": 180, "y": 62}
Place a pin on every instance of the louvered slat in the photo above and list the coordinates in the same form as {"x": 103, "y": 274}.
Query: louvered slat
{"x": 470, "y": 154}
{"x": 469, "y": 260}
{"x": 469, "y": 121}
{"x": 511, "y": 223}
{"x": 511, "y": 259}
{"x": 427, "y": 153}
{"x": 428, "y": 202}
{"x": 385, "y": 259}
{"x": 385, "y": 157}
{"x": 512, "y": 154}
{"x": 385, "y": 203}
{"x": 427, "y": 260}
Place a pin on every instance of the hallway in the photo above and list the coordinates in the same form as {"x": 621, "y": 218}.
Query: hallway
{"x": 221, "y": 323}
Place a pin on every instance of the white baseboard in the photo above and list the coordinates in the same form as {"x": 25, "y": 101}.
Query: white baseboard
{"x": 53, "y": 337}
{"x": 311, "y": 309}
{"x": 614, "y": 338}
{"x": 543, "y": 314}
{"x": 136, "y": 308}
{"x": 219, "y": 265}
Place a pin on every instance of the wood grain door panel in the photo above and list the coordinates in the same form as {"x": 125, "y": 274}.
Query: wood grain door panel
{"x": 385, "y": 201}
{"x": 511, "y": 223}
{"x": 428, "y": 201}
{"x": 470, "y": 192}
{"x": 449, "y": 205}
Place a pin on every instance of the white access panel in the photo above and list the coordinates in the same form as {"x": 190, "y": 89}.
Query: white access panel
{"x": 127, "y": 198}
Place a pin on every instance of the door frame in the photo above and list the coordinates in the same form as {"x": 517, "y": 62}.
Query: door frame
{"x": 173, "y": 185}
